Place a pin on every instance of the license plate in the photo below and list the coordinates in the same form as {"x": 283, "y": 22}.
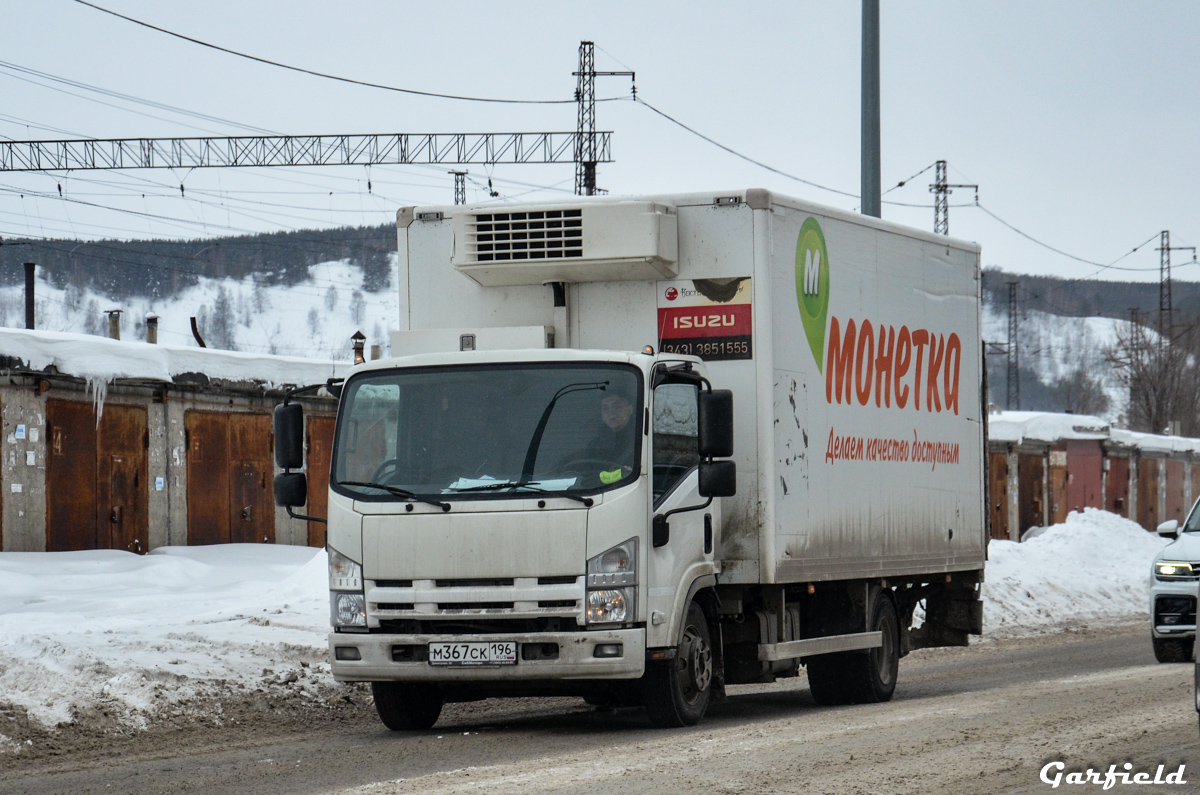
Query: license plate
{"x": 489, "y": 653}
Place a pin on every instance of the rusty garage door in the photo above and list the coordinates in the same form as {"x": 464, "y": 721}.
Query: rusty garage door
{"x": 320, "y": 453}
{"x": 229, "y": 478}
{"x": 96, "y": 478}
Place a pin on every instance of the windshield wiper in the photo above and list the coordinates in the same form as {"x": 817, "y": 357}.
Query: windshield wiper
{"x": 512, "y": 484}
{"x": 399, "y": 492}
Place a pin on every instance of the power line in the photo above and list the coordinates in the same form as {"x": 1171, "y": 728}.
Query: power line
{"x": 736, "y": 153}
{"x": 315, "y": 73}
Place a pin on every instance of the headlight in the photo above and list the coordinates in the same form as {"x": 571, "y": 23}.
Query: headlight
{"x": 612, "y": 585}
{"x": 348, "y": 610}
{"x": 610, "y": 606}
{"x": 344, "y": 574}
{"x": 1172, "y": 568}
{"x": 347, "y": 607}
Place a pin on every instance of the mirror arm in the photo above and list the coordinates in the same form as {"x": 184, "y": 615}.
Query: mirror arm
{"x": 288, "y": 395}
{"x": 661, "y": 528}
{"x": 295, "y": 515}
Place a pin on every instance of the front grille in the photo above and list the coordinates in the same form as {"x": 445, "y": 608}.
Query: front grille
{"x": 557, "y": 603}
{"x": 475, "y": 605}
{"x": 565, "y": 580}
{"x": 495, "y": 582}
{"x": 393, "y": 583}
{"x": 394, "y": 606}
{"x": 547, "y": 234}
{"x": 477, "y": 625}
{"x": 1172, "y": 611}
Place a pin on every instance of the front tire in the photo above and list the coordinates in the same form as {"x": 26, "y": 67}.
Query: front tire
{"x": 677, "y": 694}
{"x": 407, "y": 707}
{"x": 1172, "y": 650}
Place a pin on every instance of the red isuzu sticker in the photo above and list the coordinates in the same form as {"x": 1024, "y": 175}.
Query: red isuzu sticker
{"x": 709, "y": 318}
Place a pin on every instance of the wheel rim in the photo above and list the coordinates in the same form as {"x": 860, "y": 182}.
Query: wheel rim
{"x": 887, "y": 653}
{"x": 695, "y": 670}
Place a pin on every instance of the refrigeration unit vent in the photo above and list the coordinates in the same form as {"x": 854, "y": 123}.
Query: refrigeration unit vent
{"x": 594, "y": 242}
{"x": 538, "y": 234}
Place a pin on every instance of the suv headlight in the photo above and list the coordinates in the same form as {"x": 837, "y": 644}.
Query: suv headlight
{"x": 347, "y": 607}
{"x": 612, "y": 585}
{"x": 1172, "y": 569}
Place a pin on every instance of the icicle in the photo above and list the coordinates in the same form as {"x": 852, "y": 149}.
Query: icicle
{"x": 97, "y": 387}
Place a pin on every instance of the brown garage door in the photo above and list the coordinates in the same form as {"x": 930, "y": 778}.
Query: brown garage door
{"x": 229, "y": 478}
{"x": 998, "y": 494}
{"x": 1147, "y": 493}
{"x": 122, "y": 493}
{"x": 1030, "y": 488}
{"x": 96, "y": 479}
{"x": 70, "y": 476}
{"x": 320, "y": 453}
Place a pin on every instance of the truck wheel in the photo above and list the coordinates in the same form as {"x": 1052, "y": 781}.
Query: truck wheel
{"x": 1169, "y": 650}
{"x": 871, "y": 677}
{"x": 827, "y": 679}
{"x": 405, "y": 707}
{"x": 677, "y": 694}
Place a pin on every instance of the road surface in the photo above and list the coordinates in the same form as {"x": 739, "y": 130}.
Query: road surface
{"x": 981, "y": 719}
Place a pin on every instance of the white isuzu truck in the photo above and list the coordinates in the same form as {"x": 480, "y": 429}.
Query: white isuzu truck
{"x": 640, "y": 449}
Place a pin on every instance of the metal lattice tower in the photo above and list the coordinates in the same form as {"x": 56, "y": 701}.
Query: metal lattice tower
{"x": 1013, "y": 398}
{"x": 941, "y": 199}
{"x": 1165, "y": 307}
{"x": 586, "y": 149}
{"x": 460, "y": 187}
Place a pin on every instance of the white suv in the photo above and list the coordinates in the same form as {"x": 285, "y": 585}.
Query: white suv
{"x": 1173, "y": 583}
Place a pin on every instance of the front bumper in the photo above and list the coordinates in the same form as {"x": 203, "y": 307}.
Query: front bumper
{"x": 1173, "y": 609}
{"x": 575, "y": 659}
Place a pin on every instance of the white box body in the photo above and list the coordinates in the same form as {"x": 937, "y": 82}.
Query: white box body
{"x": 828, "y": 489}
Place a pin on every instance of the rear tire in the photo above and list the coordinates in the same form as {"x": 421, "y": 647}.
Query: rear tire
{"x": 407, "y": 707}
{"x": 855, "y": 677}
{"x": 676, "y": 694}
{"x": 1171, "y": 650}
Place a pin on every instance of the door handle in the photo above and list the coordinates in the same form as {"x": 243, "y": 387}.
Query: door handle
{"x": 115, "y": 516}
{"x": 246, "y": 514}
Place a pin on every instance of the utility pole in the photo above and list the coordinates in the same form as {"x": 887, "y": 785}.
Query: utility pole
{"x": 585, "y": 130}
{"x": 941, "y": 199}
{"x": 460, "y": 186}
{"x": 872, "y": 198}
{"x": 1165, "y": 308}
{"x": 1013, "y": 398}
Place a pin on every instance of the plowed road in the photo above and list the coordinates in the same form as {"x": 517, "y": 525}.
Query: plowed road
{"x": 983, "y": 719}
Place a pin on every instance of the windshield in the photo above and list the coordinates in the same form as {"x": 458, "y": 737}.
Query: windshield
{"x": 495, "y": 429}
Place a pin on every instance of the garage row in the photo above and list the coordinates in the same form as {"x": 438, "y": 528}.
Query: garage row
{"x": 1041, "y": 466}
{"x": 175, "y": 450}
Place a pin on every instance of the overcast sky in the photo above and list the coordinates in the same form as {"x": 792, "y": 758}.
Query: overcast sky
{"x": 1077, "y": 120}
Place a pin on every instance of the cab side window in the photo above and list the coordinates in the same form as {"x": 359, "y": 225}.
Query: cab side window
{"x": 675, "y": 429}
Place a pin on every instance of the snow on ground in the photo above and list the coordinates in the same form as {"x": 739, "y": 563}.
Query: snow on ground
{"x": 1094, "y": 567}
{"x": 135, "y": 635}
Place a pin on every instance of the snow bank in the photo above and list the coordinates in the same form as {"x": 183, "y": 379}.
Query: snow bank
{"x": 131, "y": 634}
{"x": 1095, "y": 566}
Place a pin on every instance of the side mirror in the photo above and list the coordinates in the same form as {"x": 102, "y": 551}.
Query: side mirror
{"x": 715, "y": 424}
{"x": 718, "y": 479}
{"x": 291, "y": 489}
{"x": 1169, "y": 529}
{"x": 289, "y": 436}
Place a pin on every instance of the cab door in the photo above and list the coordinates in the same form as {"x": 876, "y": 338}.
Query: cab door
{"x": 688, "y": 551}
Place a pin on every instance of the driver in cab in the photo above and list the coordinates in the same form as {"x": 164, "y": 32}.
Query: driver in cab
{"x": 614, "y": 442}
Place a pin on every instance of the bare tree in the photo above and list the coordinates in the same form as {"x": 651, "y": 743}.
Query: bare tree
{"x": 1081, "y": 392}
{"x": 1162, "y": 375}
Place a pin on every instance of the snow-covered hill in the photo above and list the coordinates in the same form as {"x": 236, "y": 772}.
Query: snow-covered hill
{"x": 314, "y": 318}
{"x": 1054, "y": 346}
